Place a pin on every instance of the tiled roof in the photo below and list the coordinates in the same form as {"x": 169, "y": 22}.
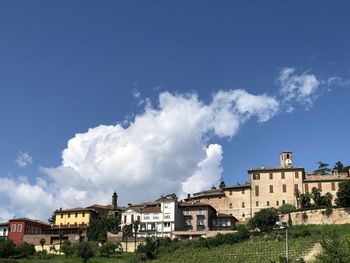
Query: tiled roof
{"x": 4, "y": 224}
{"x": 192, "y": 204}
{"x": 77, "y": 209}
{"x": 266, "y": 169}
{"x": 29, "y": 220}
{"x": 237, "y": 186}
{"x": 106, "y": 207}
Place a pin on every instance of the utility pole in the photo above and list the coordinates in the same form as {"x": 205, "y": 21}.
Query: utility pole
{"x": 287, "y": 243}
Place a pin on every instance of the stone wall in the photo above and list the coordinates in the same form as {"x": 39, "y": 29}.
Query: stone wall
{"x": 319, "y": 217}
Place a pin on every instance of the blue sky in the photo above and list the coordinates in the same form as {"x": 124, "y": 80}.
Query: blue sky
{"x": 69, "y": 66}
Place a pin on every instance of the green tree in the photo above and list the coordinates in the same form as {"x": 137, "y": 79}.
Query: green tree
{"x": 334, "y": 250}
{"x": 343, "y": 194}
{"x": 52, "y": 218}
{"x": 316, "y": 196}
{"x": 322, "y": 168}
{"x": 86, "y": 250}
{"x": 127, "y": 229}
{"x": 265, "y": 219}
{"x": 98, "y": 229}
{"x": 339, "y": 167}
{"x": 303, "y": 199}
{"x": 67, "y": 248}
{"x": 136, "y": 228}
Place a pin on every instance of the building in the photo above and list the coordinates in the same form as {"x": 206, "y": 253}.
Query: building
{"x": 267, "y": 187}
{"x": 108, "y": 210}
{"x": 19, "y": 228}
{"x": 156, "y": 218}
{"x": 196, "y": 219}
{"x": 4, "y": 230}
{"x": 74, "y": 217}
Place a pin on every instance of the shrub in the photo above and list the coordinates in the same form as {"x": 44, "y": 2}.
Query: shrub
{"x": 86, "y": 250}
{"x": 67, "y": 248}
{"x": 108, "y": 248}
{"x": 7, "y": 248}
{"x": 25, "y": 250}
{"x": 334, "y": 249}
{"x": 286, "y": 208}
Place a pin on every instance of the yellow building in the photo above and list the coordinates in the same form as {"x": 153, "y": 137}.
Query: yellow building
{"x": 75, "y": 217}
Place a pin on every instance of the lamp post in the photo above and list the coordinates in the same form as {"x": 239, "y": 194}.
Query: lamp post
{"x": 282, "y": 225}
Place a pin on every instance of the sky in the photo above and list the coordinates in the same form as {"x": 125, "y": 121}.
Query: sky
{"x": 155, "y": 97}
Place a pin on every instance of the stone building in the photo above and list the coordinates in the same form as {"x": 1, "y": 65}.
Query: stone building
{"x": 267, "y": 187}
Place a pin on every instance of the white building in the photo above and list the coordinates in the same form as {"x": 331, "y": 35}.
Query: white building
{"x": 4, "y": 230}
{"x": 156, "y": 218}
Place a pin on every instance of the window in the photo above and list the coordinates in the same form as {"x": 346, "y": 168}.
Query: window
{"x": 146, "y": 216}
{"x": 283, "y": 202}
{"x": 333, "y": 186}
{"x": 155, "y": 216}
{"x": 320, "y": 186}
{"x": 284, "y": 188}
{"x": 19, "y": 229}
{"x": 200, "y": 220}
{"x": 13, "y": 228}
{"x": 230, "y": 205}
{"x": 257, "y": 203}
{"x": 243, "y": 215}
{"x": 124, "y": 219}
{"x": 167, "y": 224}
{"x": 188, "y": 221}
{"x": 243, "y": 204}
{"x": 76, "y": 214}
{"x": 256, "y": 176}
{"x": 61, "y": 216}
{"x": 83, "y": 223}
{"x": 296, "y": 188}
{"x": 200, "y": 211}
{"x": 296, "y": 175}
{"x": 167, "y": 216}
{"x": 243, "y": 192}
{"x": 268, "y": 203}
{"x": 186, "y": 212}
{"x": 271, "y": 176}
{"x": 83, "y": 214}
{"x": 256, "y": 190}
{"x": 132, "y": 218}
{"x": 68, "y": 215}
{"x": 230, "y": 192}
{"x": 277, "y": 203}
{"x": 306, "y": 187}
{"x": 166, "y": 205}
{"x": 271, "y": 188}
{"x": 138, "y": 218}
{"x": 283, "y": 175}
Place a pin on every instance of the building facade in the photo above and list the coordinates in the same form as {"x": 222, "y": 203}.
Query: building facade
{"x": 75, "y": 217}
{"x": 156, "y": 218}
{"x": 268, "y": 187}
{"x": 21, "y": 227}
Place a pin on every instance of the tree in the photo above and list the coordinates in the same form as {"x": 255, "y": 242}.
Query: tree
{"x": 98, "y": 229}
{"x": 86, "y": 250}
{"x": 127, "y": 229}
{"x": 61, "y": 236}
{"x": 52, "y": 218}
{"x": 334, "y": 250}
{"x": 339, "y": 167}
{"x": 343, "y": 194}
{"x": 7, "y": 248}
{"x": 322, "y": 168}
{"x": 136, "y": 228}
{"x": 42, "y": 243}
{"x": 316, "y": 196}
{"x": 67, "y": 248}
{"x": 265, "y": 219}
{"x": 303, "y": 199}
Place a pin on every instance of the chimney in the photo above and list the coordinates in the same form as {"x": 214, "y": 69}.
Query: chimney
{"x": 129, "y": 204}
{"x": 188, "y": 195}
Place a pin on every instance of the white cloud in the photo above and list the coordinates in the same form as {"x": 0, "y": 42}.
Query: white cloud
{"x": 162, "y": 150}
{"x": 300, "y": 88}
{"x": 23, "y": 159}
{"x": 169, "y": 147}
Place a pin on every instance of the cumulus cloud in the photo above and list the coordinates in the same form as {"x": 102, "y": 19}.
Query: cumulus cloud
{"x": 23, "y": 159}
{"x": 166, "y": 148}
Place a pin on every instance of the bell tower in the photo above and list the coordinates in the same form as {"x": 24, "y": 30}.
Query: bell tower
{"x": 286, "y": 159}
{"x": 114, "y": 199}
